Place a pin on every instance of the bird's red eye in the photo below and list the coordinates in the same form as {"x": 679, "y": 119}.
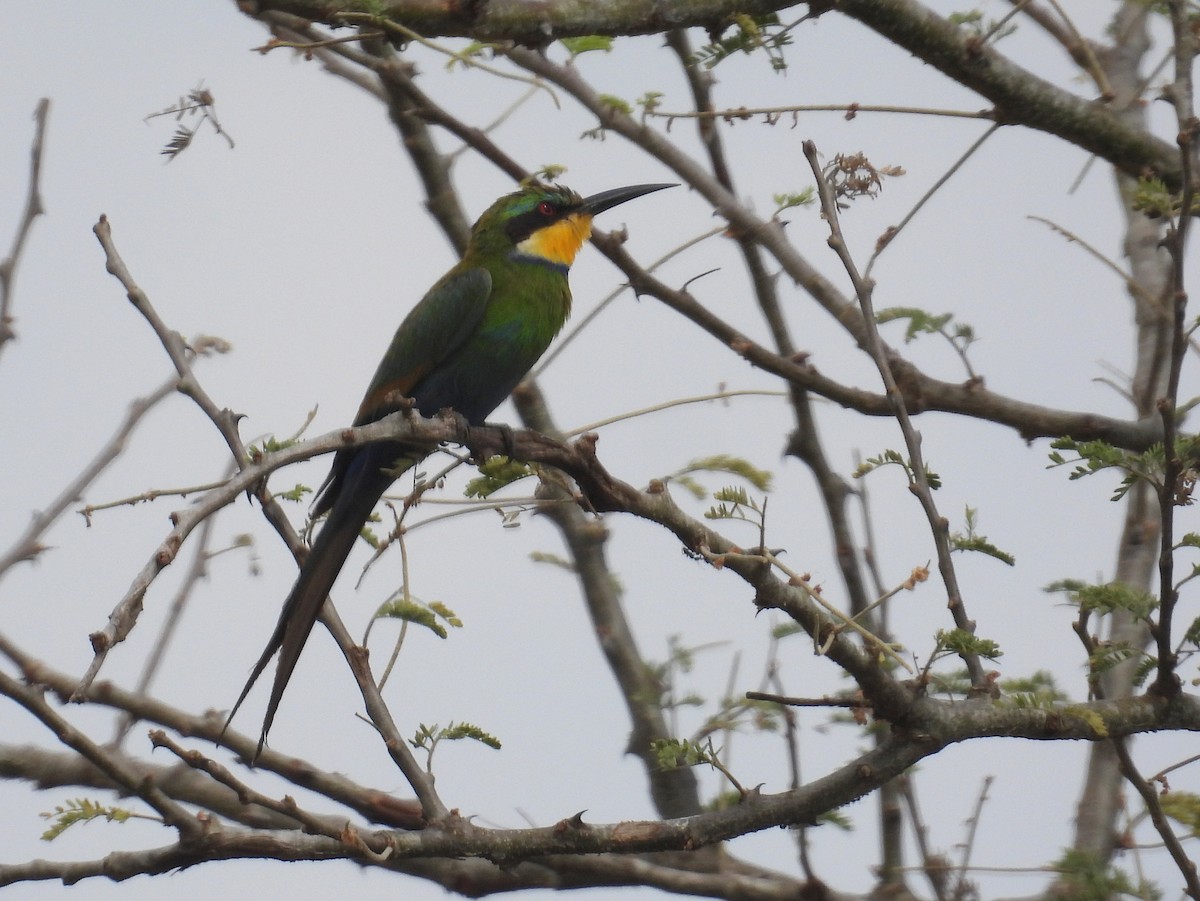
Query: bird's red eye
{"x": 546, "y": 208}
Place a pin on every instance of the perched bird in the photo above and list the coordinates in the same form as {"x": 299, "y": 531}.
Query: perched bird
{"x": 465, "y": 346}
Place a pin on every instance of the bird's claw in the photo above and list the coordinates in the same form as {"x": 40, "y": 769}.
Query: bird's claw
{"x": 507, "y": 437}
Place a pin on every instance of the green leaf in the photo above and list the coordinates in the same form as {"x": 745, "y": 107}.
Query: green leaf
{"x": 836, "y": 819}
{"x": 80, "y": 810}
{"x": 495, "y": 473}
{"x": 783, "y": 630}
{"x": 895, "y": 458}
{"x": 1183, "y": 808}
{"x": 1096, "y": 456}
{"x": 419, "y": 614}
{"x": 650, "y": 101}
{"x": 959, "y": 641}
{"x": 791, "y": 200}
{"x": 1107, "y": 598}
{"x": 734, "y": 494}
{"x": 1107, "y": 656}
{"x": 982, "y": 546}
{"x": 728, "y": 463}
{"x": 446, "y": 613}
{"x": 1155, "y": 200}
{"x": 612, "y": 102}
{"x": 1086, "y": 877}
{"x": 970, "y": 541}
{"x": 1143, "y": 670}
{"x": 1192, "y": 635}
{"x": 553, "y": 559}
{"x": 919, "y": 321}
{"x": 298, "y": 492}
{"x": 697, "y": 490}
{"x": 587, "y": 44}
{"x": 427, "y": 737}
{"x": 675, "y": 753}
{"x": 733, "y": 503}
{"x": 461, "y": 731}
{"x": 1037, "y": 691}
{"x": 1093, "y": 719}
{"x": 751, "y": 34}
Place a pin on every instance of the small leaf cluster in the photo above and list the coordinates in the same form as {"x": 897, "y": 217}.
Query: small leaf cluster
{"x": 790, "y": 200}
{"x": 750, "y": 34}
{"x": 198, "y": 102}
{"x": 963, "y": 643}
{"x": 1154, "y": 200}
{"x": 1107, "y": 598}
{"x": 616, "y": 104}
{"x": 1091, "y": 457}
{"x": 430, "y": 616}
{"x": 1088, "y": 878}
{"x": 296, "y": 493}
{"x": 495, "y": 473}
{"x": 722, "y": 463}
{"x": 1037, "y": 690}
{"x": 1184, "y": 809}
{"x": 734, "y": 502}
{"x": 674, "y": 753}
{"x": 427, "y": 738}
{"x": 895, "y": 458}
{"x": 972, "y": 541}
{"x": 922, "y": 322}
{"x": 81, "y": 810}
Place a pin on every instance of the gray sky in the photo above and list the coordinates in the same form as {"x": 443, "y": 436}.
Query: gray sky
{"x": 305, "y": 245}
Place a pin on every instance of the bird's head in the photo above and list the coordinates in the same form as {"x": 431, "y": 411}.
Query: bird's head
{"x": 547, "y": 224}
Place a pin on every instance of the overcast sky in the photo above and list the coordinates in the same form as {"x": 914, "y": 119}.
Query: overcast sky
{"x": 305, "y": 244}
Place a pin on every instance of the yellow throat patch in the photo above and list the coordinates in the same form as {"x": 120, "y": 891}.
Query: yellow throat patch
{"x": 559, "y": 243}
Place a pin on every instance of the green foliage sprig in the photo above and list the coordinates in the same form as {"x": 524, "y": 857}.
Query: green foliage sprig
{"x": 970, "y": 540}
{"x": 427, "y": 738}
{"x": 82, "y": 810}
{"x": 430, "y": 616}
{"x": 750, "y": 34}
{"x": 495, "y": 473}
{"x": 895, "y": 458}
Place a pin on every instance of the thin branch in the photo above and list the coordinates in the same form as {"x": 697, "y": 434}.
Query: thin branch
{"x": 1166, "y": 682}
{"x": 33, "y": 209}
{"x": 173, "y": 814}
{"x": 772, "y": 113}
{"x": 194, "y": 574}
{"x": 863, "y": 287}
{"x": 1162, "y": 824}
{"x": 29, "y": 545}
{"x": 962, "y": 886}
{"x": 886, "y": 240}
{"x": 669, "y": 404}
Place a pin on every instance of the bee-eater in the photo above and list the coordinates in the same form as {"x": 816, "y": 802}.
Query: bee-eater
{"x": 464, "y": 346}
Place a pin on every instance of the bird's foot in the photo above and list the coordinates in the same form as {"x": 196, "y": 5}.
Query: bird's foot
{"x": 507, "y": 436}
{"x": 466, "y": 434}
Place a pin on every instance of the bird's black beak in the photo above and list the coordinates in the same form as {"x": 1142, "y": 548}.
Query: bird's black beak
{"x": 606, "y": 200}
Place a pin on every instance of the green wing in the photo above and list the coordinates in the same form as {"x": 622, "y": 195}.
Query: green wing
{"x": 437, "y": 326}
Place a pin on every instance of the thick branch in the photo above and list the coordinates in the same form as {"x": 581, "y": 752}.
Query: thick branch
{"x": 534, "y": 24}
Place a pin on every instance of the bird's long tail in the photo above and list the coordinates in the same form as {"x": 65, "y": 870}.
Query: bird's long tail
{"x": 366, "y": 482}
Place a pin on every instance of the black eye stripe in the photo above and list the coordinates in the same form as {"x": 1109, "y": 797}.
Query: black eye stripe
{"x": 521, "y": 227}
